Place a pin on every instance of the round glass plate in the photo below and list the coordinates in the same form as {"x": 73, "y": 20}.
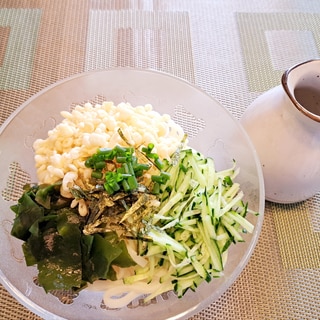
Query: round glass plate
{"x": 212, "y": 130}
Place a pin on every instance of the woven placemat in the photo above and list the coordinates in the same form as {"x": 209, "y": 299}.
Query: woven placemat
{"x": 12, "y": 310}
{"x": 232, "y": 50}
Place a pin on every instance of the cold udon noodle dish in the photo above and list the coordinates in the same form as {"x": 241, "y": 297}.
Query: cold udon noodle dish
{"x": 124, "y": 206}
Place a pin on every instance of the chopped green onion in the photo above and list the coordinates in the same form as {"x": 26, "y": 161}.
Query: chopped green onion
{"x": 158, "y": 163}
{"x": 100, "y": 165}
{"x": 105, "y": 151}
{"x": 125, "y": 185}
{"x": 97, "y": 174}
{"x": 128, "y": 169}
{"x": 141, "y": 167}
{"x": 120, "y": 150}
{"x": 108, "y": 188}
{"x": 132, "y": 181}
{"x": 162, "y": 178}
{"x": 121, "y": 159}
{"x": 156, "y": 188}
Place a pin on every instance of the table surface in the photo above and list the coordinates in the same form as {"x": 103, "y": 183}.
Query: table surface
{"x": 233, "y": 50}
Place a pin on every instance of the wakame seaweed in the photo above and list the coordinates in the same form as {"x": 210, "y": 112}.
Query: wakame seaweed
{"x": 53, "y": 240}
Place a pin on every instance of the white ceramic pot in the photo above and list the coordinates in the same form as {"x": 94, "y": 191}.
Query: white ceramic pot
{"x": 284, "y": 126}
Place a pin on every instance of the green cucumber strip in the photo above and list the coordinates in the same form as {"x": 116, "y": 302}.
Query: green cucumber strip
{"x": 162, "y": 239}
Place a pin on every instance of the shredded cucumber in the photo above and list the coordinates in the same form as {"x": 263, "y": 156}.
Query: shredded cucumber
{"x": 201, "y": 213}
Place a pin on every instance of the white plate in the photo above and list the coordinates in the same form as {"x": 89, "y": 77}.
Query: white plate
{"x": 212, "y": 130}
